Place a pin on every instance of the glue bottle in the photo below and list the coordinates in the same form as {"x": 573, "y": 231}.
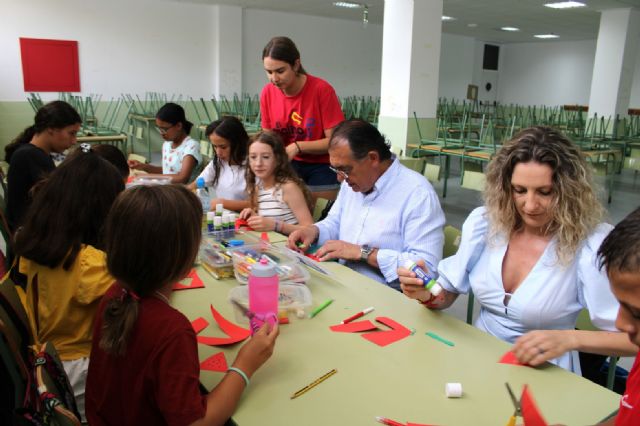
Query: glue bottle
{"x": 263, "y": 293}
{"x": 429, "y": 281}
{"x": 203, "y": 195}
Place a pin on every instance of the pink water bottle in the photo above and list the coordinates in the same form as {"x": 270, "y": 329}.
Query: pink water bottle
{"x": 263, "y": 294}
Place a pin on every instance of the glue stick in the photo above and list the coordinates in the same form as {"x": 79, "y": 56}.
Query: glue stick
{"x": 429, "y": 282}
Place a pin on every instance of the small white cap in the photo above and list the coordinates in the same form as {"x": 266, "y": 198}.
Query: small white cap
{"x": 211, "y": 215}
{"x": 453, "y": 390}
{"x": 217, "y": 221}
{"x": 219, "y": 208}
{"x": 408, "y": 264}
{"x": 436, "y": 289}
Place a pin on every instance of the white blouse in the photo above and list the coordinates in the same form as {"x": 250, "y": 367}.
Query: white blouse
{"x": 549, "y": 298}
{"x": 231, "y": 184}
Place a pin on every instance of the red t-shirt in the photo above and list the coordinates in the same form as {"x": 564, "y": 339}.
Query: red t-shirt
{"x": 629, "y": 413}
{"x": 156, "y": 381}
{"x": 302, "y": 117}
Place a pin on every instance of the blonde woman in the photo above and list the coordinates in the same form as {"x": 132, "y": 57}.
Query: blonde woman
{"x": 529, "y": 255}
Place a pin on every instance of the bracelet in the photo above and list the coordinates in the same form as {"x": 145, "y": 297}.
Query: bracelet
{"x": 241, "y": 373}
{"x": 298, "y": 146}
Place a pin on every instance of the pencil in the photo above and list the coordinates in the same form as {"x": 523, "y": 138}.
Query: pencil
{"x": 440, "y": 339}
{"x": 317, "y": 310}
{"x": 314, "y": 383}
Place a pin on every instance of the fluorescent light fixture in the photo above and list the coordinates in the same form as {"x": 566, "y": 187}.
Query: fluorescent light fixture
{"x": 544, "y": 36}
{"x": 511, "y": 29}
{"x": 448, "y": 18}
{"x": 565, "y": 4}
{"x": 472, "y": 25}
{"x": 348, "y": 4}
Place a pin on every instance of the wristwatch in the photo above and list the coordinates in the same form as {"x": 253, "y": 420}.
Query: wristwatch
{"x": 365, "y": 251}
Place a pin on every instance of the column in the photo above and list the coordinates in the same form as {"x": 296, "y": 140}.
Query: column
{"x": 614, "y": 63}
{"x": 410, "y": 68}
{"x": 227, "y": 66}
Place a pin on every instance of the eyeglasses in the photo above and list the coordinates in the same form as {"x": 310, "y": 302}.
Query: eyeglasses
{"x": 344, "y": 175}
{"x": 164, "y": 130}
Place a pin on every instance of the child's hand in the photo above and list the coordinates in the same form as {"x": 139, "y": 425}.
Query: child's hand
{"x": 258, "y": 349}
{"x": 259, "y": 223}
{"x": 246, "y": 213}
{"x": 135, "y": 164}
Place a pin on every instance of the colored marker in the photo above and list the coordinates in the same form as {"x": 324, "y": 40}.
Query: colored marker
{"x": 358, "y": 315}
{"x": 317, "y": 310}
{"x": 440, "y": 339}
{"x": 388, "y": 422}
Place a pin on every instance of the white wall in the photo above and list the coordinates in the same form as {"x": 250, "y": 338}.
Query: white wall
{"x": 456, "y": 66}
{"x": 342, "y": 52}
{"x": 549, "y": 73}
{"x": 124, "y": 46}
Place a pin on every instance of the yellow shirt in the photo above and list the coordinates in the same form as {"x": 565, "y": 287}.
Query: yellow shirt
{"x": 66, "y": 301}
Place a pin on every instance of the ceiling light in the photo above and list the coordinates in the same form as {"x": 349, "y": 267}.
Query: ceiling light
{"x": 448, "y": 18}
{"x": 509, "y": 29}
{"x": 565, "y": 4}
{"x": 546, "y": 36}
{"x": 348, "y": 4}
{"x": 472, "y": 25}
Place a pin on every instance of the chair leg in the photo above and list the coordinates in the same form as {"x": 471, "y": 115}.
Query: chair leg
{"x": 611, "y": 374}
{"x": 470, "y": 308}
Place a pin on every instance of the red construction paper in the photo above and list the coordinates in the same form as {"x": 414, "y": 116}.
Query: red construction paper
{"x": 50, "y": 65}
{"x": 418, "y": 424}
{"x": 384, "y": 338}
{"x": 199, "y": 324}
{"x": 510, "y": 358}
{"x": 234, "y": 332}
{"x": 216, "y": 362}
{"x": 530, "y": 412}
{"x": 354, "y": 327}
{"x": 196, "y": 282}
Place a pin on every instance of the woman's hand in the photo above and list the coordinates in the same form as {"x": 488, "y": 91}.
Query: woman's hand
{"x": 246, "y": 214}
{"x": 258, "y": 349}
{"x": 539, "y": 346}
{"x": 292, "y": 150}
{"x": 259, "y": 223}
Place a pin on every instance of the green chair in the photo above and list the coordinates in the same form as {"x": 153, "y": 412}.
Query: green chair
{"x": 452, "y": 237}
{"x": 584, "y": 323}
{"x": 321, "y": 203}
{"x": 432, "y": 172}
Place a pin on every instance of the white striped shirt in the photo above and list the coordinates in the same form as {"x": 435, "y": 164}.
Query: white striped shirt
{"x": 401, "y": 217}
{"x": 271, "y": 204}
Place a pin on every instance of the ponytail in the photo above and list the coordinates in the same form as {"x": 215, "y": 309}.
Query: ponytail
{"x": 24, "y": 137}
{"x": 119, "y": 320}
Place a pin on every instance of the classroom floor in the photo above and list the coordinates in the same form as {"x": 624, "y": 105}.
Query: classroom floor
{"x": 460, "y": 202}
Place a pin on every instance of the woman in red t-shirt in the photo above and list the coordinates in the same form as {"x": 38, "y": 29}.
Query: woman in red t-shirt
{"x": 304, "y": 109}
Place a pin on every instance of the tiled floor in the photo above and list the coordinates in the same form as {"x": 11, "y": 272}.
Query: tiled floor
{"x": 460, "y": 202}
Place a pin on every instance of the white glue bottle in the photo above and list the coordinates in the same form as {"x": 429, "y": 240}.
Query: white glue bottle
{"x": 429, "y": 282}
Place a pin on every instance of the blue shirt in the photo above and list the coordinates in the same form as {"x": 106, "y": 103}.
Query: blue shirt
{"x": 401, "y": 217}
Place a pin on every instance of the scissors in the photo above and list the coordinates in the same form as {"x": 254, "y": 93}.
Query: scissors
{"x": 255, "y": 320}
{"x": 516, "y": 404}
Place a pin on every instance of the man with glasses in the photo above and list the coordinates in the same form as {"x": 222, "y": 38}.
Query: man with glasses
{"x": 384, "y": 213}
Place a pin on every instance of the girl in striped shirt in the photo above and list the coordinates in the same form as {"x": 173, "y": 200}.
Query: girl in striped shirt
{"x": 280, "y": 201}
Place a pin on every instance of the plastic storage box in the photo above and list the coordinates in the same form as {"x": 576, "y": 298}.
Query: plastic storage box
{"x": 295, "y": 298}
{"x": 288, "y": 268}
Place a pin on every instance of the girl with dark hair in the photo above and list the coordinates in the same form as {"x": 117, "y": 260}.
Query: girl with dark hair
{"x": 144, "y": 360}
{"x": 280, "y": 201}
{"x": 303, "y": 109}
{"x": 180, "y": 152}
{"x": 60, "y": 251}
{"x": 29, "y": 155}
{"x": 225, "y": 173}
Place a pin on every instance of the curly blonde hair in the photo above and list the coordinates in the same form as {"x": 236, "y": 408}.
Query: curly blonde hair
{"x": 575, "y": 208}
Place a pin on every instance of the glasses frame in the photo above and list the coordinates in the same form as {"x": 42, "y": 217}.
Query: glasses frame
{"x": 163, "y": 130}
{"x": 340, "y": 173}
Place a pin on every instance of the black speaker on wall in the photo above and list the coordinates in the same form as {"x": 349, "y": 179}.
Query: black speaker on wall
{"x": 490, "y": 58}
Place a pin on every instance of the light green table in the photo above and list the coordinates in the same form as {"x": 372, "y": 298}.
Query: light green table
{"x": 404, "y": 381}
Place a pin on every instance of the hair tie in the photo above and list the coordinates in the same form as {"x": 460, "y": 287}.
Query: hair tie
{"x": 85, "y": 147}
{"x": 132, "y": 294}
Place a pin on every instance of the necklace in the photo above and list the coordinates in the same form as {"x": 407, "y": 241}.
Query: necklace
{"x": 162, "y": 296}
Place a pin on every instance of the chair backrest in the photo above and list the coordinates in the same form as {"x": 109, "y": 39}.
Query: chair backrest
{"x": 13, "y": 314}
{"x": 473, "y": 180}
{"x": 451, "y": 241}
{"x": 14, "y": 366}
{"x": 432, "y": 172}
{"x": 321, "y": 203}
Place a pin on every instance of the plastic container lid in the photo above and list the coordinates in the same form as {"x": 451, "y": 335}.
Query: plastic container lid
{"x": 291, "y": 297}
{"x": 263, "y": 269}
{"x": 200, "y": 182}
{"x": 236, "y": 243}
{"x": 287, "y": 268}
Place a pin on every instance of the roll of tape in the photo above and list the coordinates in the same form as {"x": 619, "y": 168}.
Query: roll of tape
{"x": 453, "y": 390}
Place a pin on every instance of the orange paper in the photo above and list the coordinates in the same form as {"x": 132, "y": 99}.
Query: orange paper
{"x": 354, "y": 327}
{"x": 196, "y": 282}
{"x": 510, "y": 358}
{"x": 216, "y": 362}
{"x": 530, "y": 412}
{"x": 199, "y": 324}
{"x": 384, "y": 338}
{"x": 234, "y": 332}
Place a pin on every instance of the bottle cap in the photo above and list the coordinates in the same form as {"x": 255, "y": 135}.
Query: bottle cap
{"x": 453, "y": 390}
{"x": 211, "y": 216}
{"x": 200, "y": 182}
{"x": 408, "y": 264}
{"x": 436, "y": 289}
{"x": 263, "y": 269}
{"x": 217, "y": 221}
